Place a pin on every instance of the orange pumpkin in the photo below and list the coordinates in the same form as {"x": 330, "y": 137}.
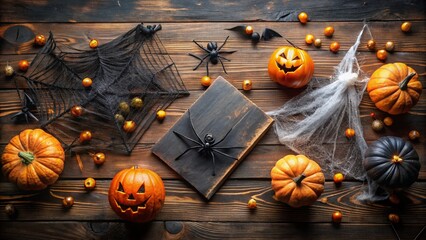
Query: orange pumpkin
{"x": 290, "y": 67}
{"x": 394, "y": 88}
{"x": 33, "y": 159}
{"x": 136, "y": 194}
{"x": 297, "y": 180}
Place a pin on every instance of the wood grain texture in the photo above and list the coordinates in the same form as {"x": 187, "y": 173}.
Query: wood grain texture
{"x": 186, "y": 214}
{"x": 228, "y": 204}
{"x": 177, "y": 37}
{"x": 203, "y": 230}
{"x": 222, "y": 10}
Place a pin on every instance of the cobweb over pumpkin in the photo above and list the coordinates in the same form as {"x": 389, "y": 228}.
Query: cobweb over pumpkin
{"x": 314, "y": 123}
{"x": 135, "y": 64}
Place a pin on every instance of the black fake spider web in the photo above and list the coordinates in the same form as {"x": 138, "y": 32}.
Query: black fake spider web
{"x": 135, "y": 64}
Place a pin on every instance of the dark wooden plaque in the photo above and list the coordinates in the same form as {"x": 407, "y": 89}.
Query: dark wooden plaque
{"x": 221, "y": 108}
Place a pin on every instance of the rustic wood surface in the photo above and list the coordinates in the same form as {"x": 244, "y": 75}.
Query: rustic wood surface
{"x": 186, "y": 214}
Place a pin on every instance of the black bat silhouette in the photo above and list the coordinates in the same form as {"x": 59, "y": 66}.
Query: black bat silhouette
{"x": 255, "y": 37}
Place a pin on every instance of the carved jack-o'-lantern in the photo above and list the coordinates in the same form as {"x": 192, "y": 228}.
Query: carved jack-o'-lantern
{"x": 136, "y": 194}
{"x": 290, "y": 67}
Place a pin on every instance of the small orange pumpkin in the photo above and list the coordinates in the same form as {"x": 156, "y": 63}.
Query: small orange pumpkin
{"x": 136, "y": 194}
{"x": 297, "y": 180}
{"x": 394, "y": 88}
{"x": 290, "y": 67}
{"x": 33, "y": 159}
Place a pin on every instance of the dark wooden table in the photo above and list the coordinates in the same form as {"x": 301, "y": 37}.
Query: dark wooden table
{"x": 185, "y": 214}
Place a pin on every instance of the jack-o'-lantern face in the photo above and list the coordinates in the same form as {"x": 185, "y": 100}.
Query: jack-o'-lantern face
{"x": 136, "y": 195}
{"x": 131, "y": 201}
{"x": 290, "y": 67}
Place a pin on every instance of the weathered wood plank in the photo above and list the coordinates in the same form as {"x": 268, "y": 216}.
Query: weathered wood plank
{"x": 267, "y": 100}
{"x": 202, "y": 230}
{"x": 177, "y": 37}
{"x": 228, "y": 204}
{"x": 251, "y": 10}
{"x": 257, "y": 164}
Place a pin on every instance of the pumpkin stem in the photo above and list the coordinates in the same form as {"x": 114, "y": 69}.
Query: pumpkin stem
{"x": 26, "y": 157}
{"x": 404, "y": 84}
{"x": 396, "y": 159}
{"x": 299, "y": 178}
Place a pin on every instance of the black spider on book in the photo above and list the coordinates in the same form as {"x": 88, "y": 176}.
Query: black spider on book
{"x": 207, "y": 145}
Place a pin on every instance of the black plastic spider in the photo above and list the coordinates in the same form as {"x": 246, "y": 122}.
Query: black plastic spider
{"x": 27, "y": 104}
{"x": 208, "y": 146}
{"x": 213, "y": 53}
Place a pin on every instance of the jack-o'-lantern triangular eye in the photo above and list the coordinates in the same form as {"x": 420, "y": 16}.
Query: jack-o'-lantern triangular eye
{"x": 142, "y": 189}
{"x": 296, "y": 58}
{"x": 120, "y": 187}
{"x": 283, "y": 55}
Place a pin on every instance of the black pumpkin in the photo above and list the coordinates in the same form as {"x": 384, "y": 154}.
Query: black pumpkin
{"x": 392, "y": 163}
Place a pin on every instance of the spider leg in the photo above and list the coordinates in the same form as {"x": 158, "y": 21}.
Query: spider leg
{"x": 227, "y": 52}
{"x": 223, "y": 66}
{"x": 201, "y": 60}
{"x": 187, "y": 138}
{"x": 201, "y": 46}
{"x": 193, "y": 55}
{"x": 223, "y": 44}
{"x": 230, "y": 130}
{"x": 26, "y": 118}
{"x": 207, "y": 67}
{"x": 214, "y": 163}
{"x": 187, "y": 150}
{"x": 227, "y": 147}
{"x": 224, "y": 154}
{"x": 32, "y": 116}
{"x": 193, "y": 129}
{"x": 224, "y": 58}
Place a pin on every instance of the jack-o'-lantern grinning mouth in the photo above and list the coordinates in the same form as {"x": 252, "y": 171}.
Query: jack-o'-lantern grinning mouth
{"x": 286, "y": 69}
{"x": 135, "y": 208}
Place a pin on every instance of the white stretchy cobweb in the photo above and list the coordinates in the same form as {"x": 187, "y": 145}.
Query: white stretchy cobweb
{"x": 314, "y": 122}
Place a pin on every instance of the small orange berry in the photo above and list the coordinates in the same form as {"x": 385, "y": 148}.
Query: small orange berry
{"x": 40, "y": 40}
{"x": 336, "y": 217}
{"x": 388, "y": 121}
{"x": 309, "y": 39}
{"x": 249, "y": 30}
{"x": 77, "y": 111}
{"x": 89, "y": 183}
{"x": 334, "y": 47}
{"x": 206, "y": 81}
{"x": 406, "y": 26}
{"x": 87, "y": 82}
{"x": 381, "y": 55}
{"x": 393, "y": 218}
{"x": 338, "y": 178}
{"x": 161, "y": 114}
{"x": 23, "y": 65}
{"x": 329, "y": 31}
{"x": 414, "y": 135}
{"x": 247, "y": 85}
{"x": 129, "y": 126}
{"x": 251, "y": 204}
{"x": 68, "y": 202}
{"x": 350, "y": 132}
{"x": 85, "y": 136}
{"x": 99, "y": 158}
{"x": 303, "y": 17}
{"x": 93, "y": 43}
{"x": 371, "y": 45}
